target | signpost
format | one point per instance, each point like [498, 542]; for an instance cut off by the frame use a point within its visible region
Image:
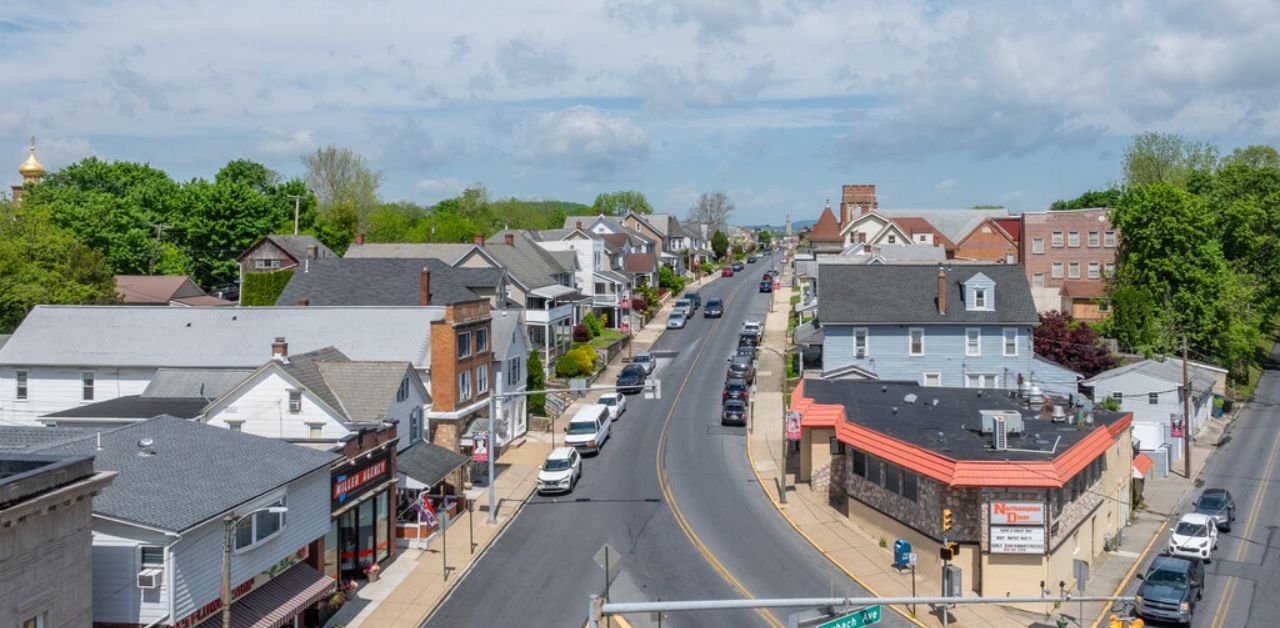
[862, 617]
[793, 426]
[480, 447]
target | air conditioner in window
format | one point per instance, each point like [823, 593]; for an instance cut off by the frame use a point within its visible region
[150, 578]
[860, 353]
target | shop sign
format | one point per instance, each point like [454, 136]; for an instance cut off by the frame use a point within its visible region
[243, 589]
[1017, 540]
[350, 484]
[1017, 513]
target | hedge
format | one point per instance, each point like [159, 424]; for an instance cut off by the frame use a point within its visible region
[262, 289]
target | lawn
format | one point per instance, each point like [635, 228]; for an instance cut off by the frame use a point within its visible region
[607, 337]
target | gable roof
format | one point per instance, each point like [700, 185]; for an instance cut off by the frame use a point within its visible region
[1169, 370]
[953, 223]
[366, 390]
[914, 224]
[989, 222]
[223, 468]
[190, 382]
[908, 294]
[449, 252]
[1011, 225]
[641, 262]
[529, 264]
[507, 330]
[614, 225]
[216, 337]
[385, 281]
[136, 407]
[140, 289]
[827, 229]
[294, 245]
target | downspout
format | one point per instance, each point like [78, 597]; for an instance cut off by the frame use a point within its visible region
[168, 580]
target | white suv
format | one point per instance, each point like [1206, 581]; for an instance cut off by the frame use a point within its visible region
[1195, 536]
[752, 327]
[561, 472]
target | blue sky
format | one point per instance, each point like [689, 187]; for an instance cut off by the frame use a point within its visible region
[776, 102]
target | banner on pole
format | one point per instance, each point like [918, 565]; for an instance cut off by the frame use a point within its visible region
[480, 447]
[793, 425]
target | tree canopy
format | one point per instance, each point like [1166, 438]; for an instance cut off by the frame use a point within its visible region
[1072, 344]
[712, 208]
[620, 202]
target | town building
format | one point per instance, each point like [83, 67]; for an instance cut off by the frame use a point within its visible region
[281, 252]
[1067, 256]
[31, 171]
[177, 290]
[46, 534]
[1023, 493]
[596, 276]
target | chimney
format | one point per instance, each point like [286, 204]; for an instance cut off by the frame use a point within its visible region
[304, 302]
[424, 287]
[312, 251]
[359, 239]
[578, 225]
[478, 239]
[510, 239]
[280, 349]
[844, 214]
[942, 292]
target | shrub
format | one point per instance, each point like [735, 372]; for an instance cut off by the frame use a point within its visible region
[640, 304]
[261, 289]
[534, 380]
[577, 362]
[592, 323]
[581, 333]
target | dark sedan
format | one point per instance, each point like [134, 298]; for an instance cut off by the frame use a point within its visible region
[766, 286]
[713, 309]
[734, 388]
[631, 379]
[734, 412]
[1218, 504]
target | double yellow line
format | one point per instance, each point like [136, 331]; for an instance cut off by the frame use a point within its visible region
[665, 485]
[1229, 590]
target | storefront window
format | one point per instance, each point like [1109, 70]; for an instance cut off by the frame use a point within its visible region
[383, 526]
[347, 532]
[366, 532]
[331, 550]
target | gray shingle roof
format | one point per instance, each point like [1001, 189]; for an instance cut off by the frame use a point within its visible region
[198, 472]
[506, 324]
[1169, 370]
[294, 245]
[305, 368]
[448, 252]
[427, 462]
[205, 383]
[215, 337]
[953, 223]
[384, 281]
[136, 407]
[909, 293]
[365, 390]
[527, 262]
[22, 439]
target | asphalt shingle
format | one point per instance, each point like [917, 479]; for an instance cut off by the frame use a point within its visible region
[909, 294]
[384, 281]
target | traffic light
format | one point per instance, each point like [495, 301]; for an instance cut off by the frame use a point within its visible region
[946, 520]
[955, 549]
[945, 552]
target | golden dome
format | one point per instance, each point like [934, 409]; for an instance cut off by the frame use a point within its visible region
[31, 167]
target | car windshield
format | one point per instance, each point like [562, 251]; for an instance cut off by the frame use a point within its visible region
[556, 464]
[735, 384]
[640, 359]
[1186, 528]
[582, 427]
[713, 303]
[733, 407]
[1167, 578]
[607, 401]
[1212, 502]
[631, 372]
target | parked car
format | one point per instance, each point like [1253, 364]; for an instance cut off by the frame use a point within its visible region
[741, 367]
[561, 471]
[746, 351]
[727, 271]
[683, 306]
[1194, 536]
[616, 402]
[695, 298]
[766, 286]
[1170, 589]
[751, 259]
[754, 327]
[644, 360]
[738, 266]
[734, 388]
[748, 339]
[767, 277]
[734, 412]
[714, 309]
[1218, 505]
[631, 379]
[677, 320]
[588, 429]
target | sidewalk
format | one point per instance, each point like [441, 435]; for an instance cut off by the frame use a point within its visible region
[414, 583]
[859, 554]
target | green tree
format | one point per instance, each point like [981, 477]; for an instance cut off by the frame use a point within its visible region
[1255, 156]
[394, 222]
[620, 202]
[341, 177]
[720, 244]
[765, 237]
[593, 324]
[41, 262]
[1167, 158]
[1100, 198]
[535, 379]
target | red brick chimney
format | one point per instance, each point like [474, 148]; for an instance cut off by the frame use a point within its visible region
[279, 349]
[844, 214]
[579, 225]
[424, 287]
[942, 292]
[359, 239]
[478, 239]
[510, 239]
[863, 196]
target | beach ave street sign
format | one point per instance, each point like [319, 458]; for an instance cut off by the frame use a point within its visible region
[862, 617]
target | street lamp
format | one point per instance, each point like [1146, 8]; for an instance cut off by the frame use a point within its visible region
[231, 522]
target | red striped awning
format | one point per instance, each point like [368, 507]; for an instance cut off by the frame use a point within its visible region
[279, 600]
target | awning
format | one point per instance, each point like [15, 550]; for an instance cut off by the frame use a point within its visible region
[428, 463]
[809, 334]
[552, 291]
[1141, 466]
[279, 600]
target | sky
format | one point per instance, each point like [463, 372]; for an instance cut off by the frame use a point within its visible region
[776, 102]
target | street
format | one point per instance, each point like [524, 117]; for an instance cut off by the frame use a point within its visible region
[701, 530]
[1241, 581]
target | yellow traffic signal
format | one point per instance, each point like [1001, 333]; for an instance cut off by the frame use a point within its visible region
[946, 520]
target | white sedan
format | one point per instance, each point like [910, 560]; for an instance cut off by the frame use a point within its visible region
[1195, 536]
[616, 402]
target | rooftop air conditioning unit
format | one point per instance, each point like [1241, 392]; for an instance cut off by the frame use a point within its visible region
[150, 578]
[999, 437]
[1012, 421]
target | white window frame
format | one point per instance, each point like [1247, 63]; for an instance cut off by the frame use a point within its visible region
[482, 379]
[1095, 270]
[278, 499]
[911, 341]
[980, 299]
[927, 375]
[1073, 239]
[1057, 239]
[295, 401]
[1073, 270]
[863, 334]
[464, 338]
[21, 384]
[87, 385]
[464, 385]
[143, 564]
[973, 341]
[1037, 246]
[1109, 239]
[981, 379]
[1094, 239]
[482, 340]
[1037, 280]
[1057, 270]
[1008, 341]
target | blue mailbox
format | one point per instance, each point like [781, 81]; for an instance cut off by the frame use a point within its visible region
[901, 553]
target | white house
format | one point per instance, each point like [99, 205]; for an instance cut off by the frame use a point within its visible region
[510, 356]
[159, 529]
[66, 356]
[322, 397]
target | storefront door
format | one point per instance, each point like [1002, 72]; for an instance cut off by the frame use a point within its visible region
[347, 540]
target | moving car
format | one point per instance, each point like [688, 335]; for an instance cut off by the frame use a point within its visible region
[1170, 589]
[631, 379]
[1194, 536]
[616, 402]
[684, 306]
[589, 428]
[677, 320]
[734, 388]
[714, 309]
[695, 298]
[1218, 505]
[734, 412]
[561, 471]
[741, 367]
[751, 259]
[738, 266]
[644, 360]
[766, 286]
[727, 271]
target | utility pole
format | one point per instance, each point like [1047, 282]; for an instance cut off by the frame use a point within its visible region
[151, 266]
[297, 202]
[1186, 414]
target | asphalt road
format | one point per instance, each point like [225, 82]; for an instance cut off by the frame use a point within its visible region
[1242, 582]
[719, 539]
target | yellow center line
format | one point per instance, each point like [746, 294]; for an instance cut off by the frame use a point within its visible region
[665, 485]
[1229, 590]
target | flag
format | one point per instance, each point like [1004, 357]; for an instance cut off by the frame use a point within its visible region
[426, 514]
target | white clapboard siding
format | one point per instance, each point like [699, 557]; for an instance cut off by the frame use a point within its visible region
[57, 388]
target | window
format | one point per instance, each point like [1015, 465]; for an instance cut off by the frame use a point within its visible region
[1057, 270]
[1109, 269]
[979, 298]
[1037, 246]
[482, 378]
[910, 485]
[892, 478]
[973, 341]
[980, 380]
[1057, 238]
[893, 239]
[464, 385]
[916, 341]
[295, 401]
[266, 264]
[513, 372]
[464, 344]
[1010, 341]
[1109, 238]
[36, 621]
[1118, 396]
[1095, 270]
[260, 526]
[1037, 280]
[1093, 238]
[860, 342]
[1073, 270]
[150, 557]
[415, 425]
[1104, 306]
[1073, 239]
[933, 379]
[482, 340]
[859, 464]
[20, 379]
[86, 389]
[403, 392]
[1153, 398]
[315, 431]
[873, 470]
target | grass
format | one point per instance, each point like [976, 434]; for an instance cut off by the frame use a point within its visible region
[795, 299]
[607, 337]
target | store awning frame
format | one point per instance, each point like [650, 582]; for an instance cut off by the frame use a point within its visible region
[279, 600]
[429, 463]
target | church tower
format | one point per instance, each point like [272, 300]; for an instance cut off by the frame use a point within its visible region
[788, 226]
[31, 172]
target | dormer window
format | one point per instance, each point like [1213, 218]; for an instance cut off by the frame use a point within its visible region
[979, 298]
[979, 293]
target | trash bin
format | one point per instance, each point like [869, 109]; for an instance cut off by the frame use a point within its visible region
[1227, 405]
[901, 553]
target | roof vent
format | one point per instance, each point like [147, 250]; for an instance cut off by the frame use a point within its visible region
[935, 402]
[1035, 395]
[999, 436]
[894, 409]
[884, 388]
[1059, 414]
[910, 398]
[146, 447]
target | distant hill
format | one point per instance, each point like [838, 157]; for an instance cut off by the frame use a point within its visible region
[796, 225]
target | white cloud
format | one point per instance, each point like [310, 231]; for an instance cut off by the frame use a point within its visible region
[282, 142]
[946, 184]
[440, 186]
[594, 144]
[56, 152]
[525, 62]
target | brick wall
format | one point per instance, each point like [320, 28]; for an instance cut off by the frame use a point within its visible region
[987, 243]
[1042, 226]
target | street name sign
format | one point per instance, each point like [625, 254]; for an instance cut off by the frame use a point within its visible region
[862, 617]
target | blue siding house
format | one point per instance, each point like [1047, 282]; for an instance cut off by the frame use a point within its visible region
[963, 326]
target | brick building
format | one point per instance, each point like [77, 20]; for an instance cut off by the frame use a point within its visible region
[1072, 249]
